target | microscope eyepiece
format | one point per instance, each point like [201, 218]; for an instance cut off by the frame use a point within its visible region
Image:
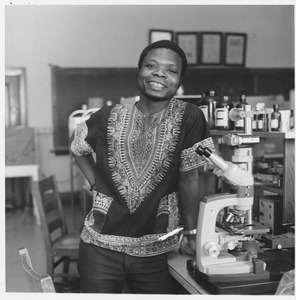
[207, 152]
[200, 150]
[203, 151]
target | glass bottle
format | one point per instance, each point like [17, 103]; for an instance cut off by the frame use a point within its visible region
[262, 122]
[240, 124]
[222, 120]
[263, 165]
[291, 119]
[208, 105]
[254, 122]
[275, 118]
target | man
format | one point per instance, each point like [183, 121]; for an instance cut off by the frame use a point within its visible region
[144, 180]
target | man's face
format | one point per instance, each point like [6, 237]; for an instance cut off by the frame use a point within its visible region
[160, 74]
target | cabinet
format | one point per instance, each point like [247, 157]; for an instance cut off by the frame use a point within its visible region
[288, 189]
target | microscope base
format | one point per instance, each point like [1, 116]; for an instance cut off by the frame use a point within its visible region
[238, 284]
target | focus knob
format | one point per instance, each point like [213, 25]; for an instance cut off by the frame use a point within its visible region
[211, 249]
[231, 245]
[235, 115]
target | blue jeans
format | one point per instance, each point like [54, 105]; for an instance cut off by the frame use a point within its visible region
[106, 271]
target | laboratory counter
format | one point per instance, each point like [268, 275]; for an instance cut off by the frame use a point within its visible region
[278, 262]
[178, 270]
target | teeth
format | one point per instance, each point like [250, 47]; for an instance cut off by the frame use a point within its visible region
[156, 84]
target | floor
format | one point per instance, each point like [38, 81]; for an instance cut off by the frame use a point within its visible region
[21, 231]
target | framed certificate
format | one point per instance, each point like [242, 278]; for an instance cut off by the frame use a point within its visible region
[211, 48]
[235, 49]
[189, 42]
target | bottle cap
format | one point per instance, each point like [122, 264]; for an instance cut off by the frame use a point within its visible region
[275, 106]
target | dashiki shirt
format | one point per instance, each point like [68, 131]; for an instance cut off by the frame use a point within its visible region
[138, 159]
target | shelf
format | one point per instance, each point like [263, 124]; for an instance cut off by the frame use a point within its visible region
[281, 135]
[288, 154]
[271, 187]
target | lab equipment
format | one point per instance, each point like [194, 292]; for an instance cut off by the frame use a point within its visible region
[226, 250]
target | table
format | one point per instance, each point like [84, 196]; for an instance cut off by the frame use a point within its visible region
[178, 270]
[31, 171]
[277, 263]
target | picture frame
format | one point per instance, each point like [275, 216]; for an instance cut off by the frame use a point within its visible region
[159, 34]
[211, 48]
[189, 42]
[235, 45]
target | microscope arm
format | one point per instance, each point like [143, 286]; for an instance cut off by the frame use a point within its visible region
[228, 171]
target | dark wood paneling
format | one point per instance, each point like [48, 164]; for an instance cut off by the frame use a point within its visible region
[73, 87]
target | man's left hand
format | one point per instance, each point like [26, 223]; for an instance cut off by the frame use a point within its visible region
[188, 245]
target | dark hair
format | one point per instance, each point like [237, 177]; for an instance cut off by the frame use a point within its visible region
[165, 44]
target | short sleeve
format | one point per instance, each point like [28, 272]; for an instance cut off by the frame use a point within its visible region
[190, 159]
[197, 134]
[79, 145]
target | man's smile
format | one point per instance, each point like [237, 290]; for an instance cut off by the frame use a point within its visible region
[156, 85]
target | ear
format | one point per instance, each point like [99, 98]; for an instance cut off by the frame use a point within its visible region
[180, 83]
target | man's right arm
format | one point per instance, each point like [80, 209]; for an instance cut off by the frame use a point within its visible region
[85, 163]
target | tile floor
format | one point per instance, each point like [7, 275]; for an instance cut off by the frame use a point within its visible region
[21, 231]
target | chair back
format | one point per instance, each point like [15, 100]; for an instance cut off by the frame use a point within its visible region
[37, 283]
[51, 212]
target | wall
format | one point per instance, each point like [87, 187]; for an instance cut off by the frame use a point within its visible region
[113, 36]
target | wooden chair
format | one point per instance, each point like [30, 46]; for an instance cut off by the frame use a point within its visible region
[61, 246]
[37, 283]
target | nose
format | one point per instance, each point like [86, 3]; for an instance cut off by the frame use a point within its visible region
[160, 72]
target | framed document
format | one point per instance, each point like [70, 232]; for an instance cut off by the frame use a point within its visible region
[211, 48]
[157, 35]
[235, 49]
[188, 41]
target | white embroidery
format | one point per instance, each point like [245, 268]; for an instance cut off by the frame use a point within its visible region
[190, 159]
[79, 146]
[133, 180]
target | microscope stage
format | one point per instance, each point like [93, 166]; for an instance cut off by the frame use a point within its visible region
[241, 229]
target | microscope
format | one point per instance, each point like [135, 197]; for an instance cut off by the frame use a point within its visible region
[226, 250]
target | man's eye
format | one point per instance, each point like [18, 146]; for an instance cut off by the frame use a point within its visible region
[150, 66]
[174, 71]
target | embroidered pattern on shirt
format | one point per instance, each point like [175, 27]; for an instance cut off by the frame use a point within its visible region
[89, 219]
[139, 163]
[190, 159]
[147, 245]
[142, 246]
[79, 146]
[101, 202]
[169, 205]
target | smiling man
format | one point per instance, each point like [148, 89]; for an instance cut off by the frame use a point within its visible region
[144, 179]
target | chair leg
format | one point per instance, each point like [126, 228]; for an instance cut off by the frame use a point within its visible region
[50, 265]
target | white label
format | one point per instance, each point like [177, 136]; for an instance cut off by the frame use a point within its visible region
[204, 109]
[274, 123]
[240, 123]
[221, 117]
[260, 124]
